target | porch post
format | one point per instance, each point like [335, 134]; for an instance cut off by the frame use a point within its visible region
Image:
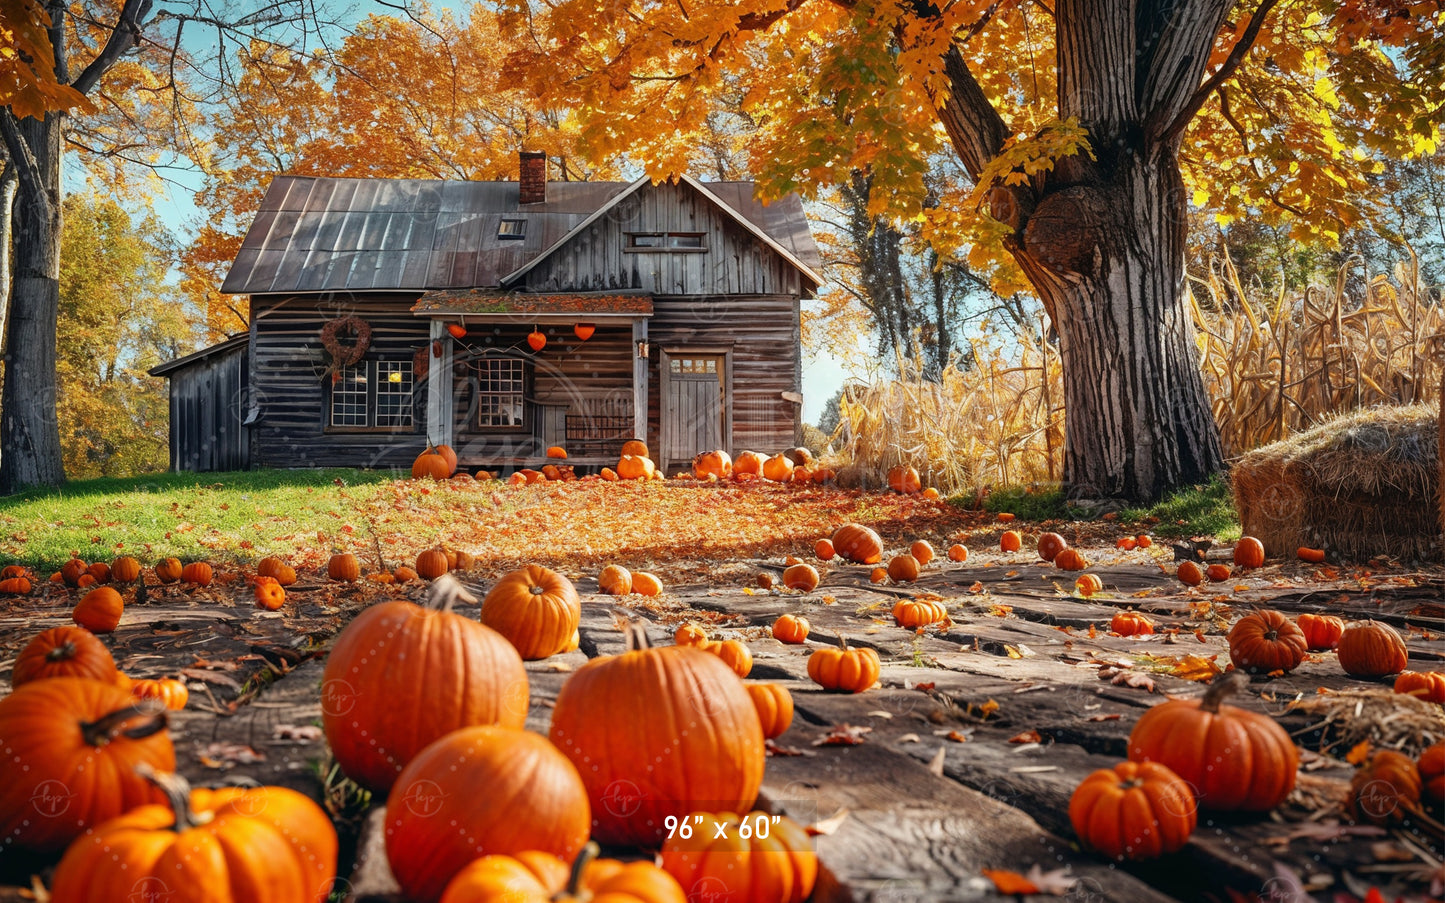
[639, 381]
[439, 389]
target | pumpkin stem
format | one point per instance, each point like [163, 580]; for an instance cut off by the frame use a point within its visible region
[64, 651]
[107, 727]
[444, 592]
[579, 865]
[1222, 688]
[635, 635]
[177, 791]
[842, 640]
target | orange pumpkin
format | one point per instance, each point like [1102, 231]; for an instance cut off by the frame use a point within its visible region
[858, 544]
[1219, 572]
[903, 568]
[1135, 810]
[535, 608]
[682, 711]
[437, 820]
[801, 577]
[1235, 759]
[430, 465]
[778, 469]
[775, 707]
[635, 467]
[13, 570]
[403, 574]
[1143, 541]
[1265, 642]
[1131, 623]
[557, 452]
[79, 741]
[63, 652]
[734, 653]
[344, 567]
[1322, 632]
[615, 580]
[15, 586]
[198, 573]
[1088, 584]
[690, 635]
[849, 670]
[273, 838]
[636, 447]
[401, 675]
[269, 593]
[171, 693]
[913, 613]
[773, 861]
[716, 464]
[1127, 543]
[1050, 545]
[878, 575]
[1070, 560]
[1432, 773]
[1011, 541]
[958, 552]
[1189, 573]
[1312, 556]
[72, 570]
[431, 563]
[823, 548]
[1426, 685]
[86, 581]
[1249, 553]
[1386, 788]
[168, 570]
[99, 572]
[99, 610]
[608, 474]
[764, 580]
[748, 462]
[922, 550]
[905, 479]
[536, 877]
[277, 570]
[792, 629]
[645, 584]
[1371, 649]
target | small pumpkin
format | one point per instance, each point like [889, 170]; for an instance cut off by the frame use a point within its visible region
[1218, 573]
[557, 452]
[913, 613]
[1311, 556]
[636, 447]
[765, 580]
[449, 455]
[690, 635]
[168, 570]
[903, 568]
[535, 877]
[1266, 641]
[904, 479]
[99, 572]
[343, 566]
[773, 862]
[775, 707]
[608, 474]
[748, 462]
[15, 586]
[72, 570]
[858, 544]
[1088, 584]
[171, 693]
[1385, 789]
[277, 570]
[878, 575]
[1011, 541]
[430, 466]
[1432, 773]
[80, 741]
[1235, 759]
[645, 584]
[778, 469]
[1070, 559]
[843, 668]
[1190, 573]
[1248, 553]
[1126, 543]
[801, 577]
[635, 467]
[1050, 545]
[404, 574]
[13, 570]
[958, 552]
[431, 563]
[437, 821]
[535, 608]
[734, 653]
[1426, 685]
[99, 610]
[198, 573]
[1143, 541]
[1131, 623]
[615, 580]
[269, 593]
[1371, 649]
[792, 629]
[1322, 632]
[63, 652]
[1133, 811]
[922, 550]
[86, 581]
[716, 464]
[823, 548]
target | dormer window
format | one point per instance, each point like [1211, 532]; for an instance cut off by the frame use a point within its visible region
[666, 241]
[512, 228]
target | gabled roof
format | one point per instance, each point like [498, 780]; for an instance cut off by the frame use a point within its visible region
[346, 235]
[490, 303]
[236, 341]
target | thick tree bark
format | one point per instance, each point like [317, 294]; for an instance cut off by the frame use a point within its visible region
[29, 431]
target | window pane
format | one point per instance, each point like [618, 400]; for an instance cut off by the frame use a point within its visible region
[512, 228]
[501, 384]
[348, 397]
[684, 240]
[647, 239]
[393, 393]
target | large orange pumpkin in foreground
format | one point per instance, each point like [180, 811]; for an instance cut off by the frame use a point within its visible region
[1371, 649]
[401, 675]
[481, 791]
[1234, 759]
[71, 746]
[774, 862]
[535, 877]
[656, 732]
[1266, 641]
[858, 543]
[536, 608]
[63, 652]
[1133, 811]
[252, 843]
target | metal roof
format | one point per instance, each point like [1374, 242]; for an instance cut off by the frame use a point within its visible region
[234, 341]
[328, 235]
[491, 303]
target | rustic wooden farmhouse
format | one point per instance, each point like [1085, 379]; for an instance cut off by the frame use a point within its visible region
[501, 318]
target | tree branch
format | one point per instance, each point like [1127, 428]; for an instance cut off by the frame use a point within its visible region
[124, 35]
[975, 129]
[22, 159]
[1181, 119]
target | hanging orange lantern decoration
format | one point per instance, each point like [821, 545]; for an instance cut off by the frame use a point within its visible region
[537, 340]
[457, 330]
[584, 330]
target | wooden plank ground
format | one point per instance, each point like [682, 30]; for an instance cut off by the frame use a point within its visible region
[1017, 660]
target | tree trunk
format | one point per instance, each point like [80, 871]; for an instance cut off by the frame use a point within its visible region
[1108, 259]
[29, 432]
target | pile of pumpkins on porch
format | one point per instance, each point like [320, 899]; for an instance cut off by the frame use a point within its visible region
[658, 749]
[796, 465]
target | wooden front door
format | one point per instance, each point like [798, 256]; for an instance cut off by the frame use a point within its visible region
[692, 405]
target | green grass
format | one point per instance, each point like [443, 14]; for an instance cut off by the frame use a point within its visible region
[1206, 510]
[239, 515]
[1031, 503]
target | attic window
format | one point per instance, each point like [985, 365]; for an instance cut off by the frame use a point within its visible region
[512, 228]
[666, 241]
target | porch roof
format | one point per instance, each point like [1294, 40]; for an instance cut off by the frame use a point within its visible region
[486, 304]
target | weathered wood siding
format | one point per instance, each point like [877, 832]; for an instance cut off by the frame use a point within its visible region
[762, 334]
[734, 262]
[207, 406]
[291, 391]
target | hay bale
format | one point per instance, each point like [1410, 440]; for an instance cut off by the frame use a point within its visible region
[1363, 484]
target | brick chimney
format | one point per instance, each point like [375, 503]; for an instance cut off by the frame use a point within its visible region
[534, 177]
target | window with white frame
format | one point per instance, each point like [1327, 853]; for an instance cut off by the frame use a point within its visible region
[501, 392]
[373, 395]
[666, 241]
